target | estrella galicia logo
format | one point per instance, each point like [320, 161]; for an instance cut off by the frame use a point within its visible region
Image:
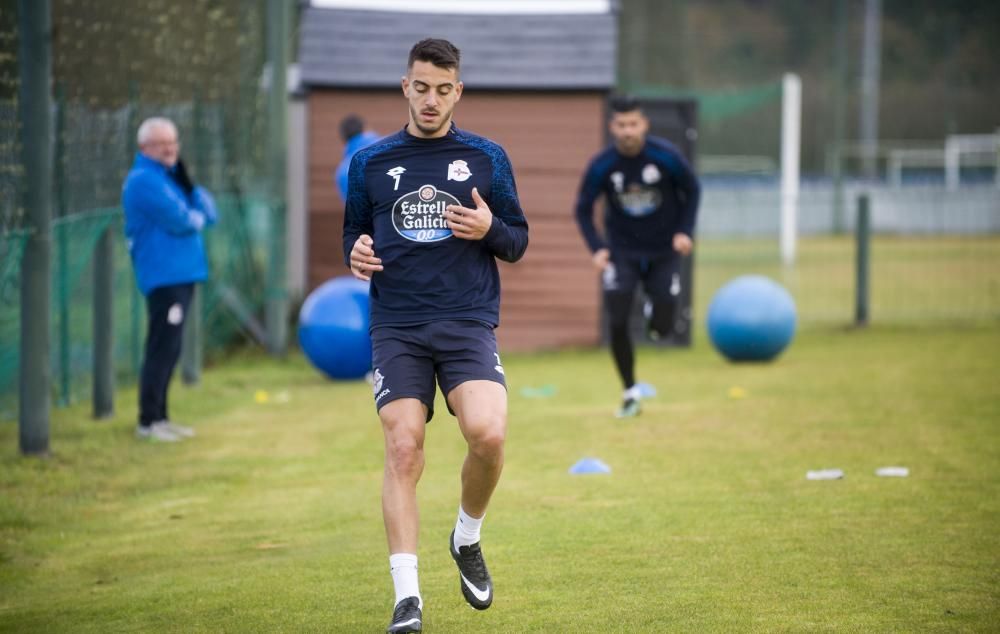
[419, 215]
[638, 201]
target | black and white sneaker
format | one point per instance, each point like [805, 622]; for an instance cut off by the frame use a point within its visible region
[406, 617]
[477, 587]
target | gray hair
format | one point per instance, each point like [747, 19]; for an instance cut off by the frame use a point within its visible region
[147, 126]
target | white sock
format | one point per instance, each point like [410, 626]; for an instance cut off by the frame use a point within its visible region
[403, 568]
[466, 529]
[633, 393]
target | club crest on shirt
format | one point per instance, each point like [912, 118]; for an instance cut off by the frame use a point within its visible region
[650, 174]
[458, 171]
[419, 215]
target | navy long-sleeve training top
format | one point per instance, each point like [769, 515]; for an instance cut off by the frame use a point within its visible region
[398, 189]
[651, 196]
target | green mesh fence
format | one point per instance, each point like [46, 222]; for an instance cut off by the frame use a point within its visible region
[11, 248]
[116, 63]
[718, 106]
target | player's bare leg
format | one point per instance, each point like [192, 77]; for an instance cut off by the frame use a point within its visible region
[403, 425]
[481, 408]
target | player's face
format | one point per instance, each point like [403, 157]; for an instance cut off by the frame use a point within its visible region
[432, 92]
[162, 145]
[628, 129]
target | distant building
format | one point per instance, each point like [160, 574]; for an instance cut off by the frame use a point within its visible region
[536, 77]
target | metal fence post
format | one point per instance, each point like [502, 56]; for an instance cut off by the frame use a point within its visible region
[862, 261]
[104, 340]
[276, 297]
[136, 307]
[34, 111]
[62, 249]
[192, 343]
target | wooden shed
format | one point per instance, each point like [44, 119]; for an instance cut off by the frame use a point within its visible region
[535, 82]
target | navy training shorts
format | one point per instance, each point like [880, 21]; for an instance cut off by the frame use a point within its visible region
[660, 276]
[406, 360]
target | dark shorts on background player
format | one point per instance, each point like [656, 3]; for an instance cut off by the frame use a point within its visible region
[407, 359]
[657, 275]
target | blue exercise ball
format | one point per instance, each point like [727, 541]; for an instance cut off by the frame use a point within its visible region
[751, 318]
[333, 328]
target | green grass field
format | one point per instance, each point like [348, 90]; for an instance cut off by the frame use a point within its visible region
[269, 520]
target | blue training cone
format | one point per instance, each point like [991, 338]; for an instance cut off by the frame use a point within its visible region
[589, 465]
[645, 390]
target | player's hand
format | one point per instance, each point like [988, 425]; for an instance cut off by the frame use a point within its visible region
[469, 224]
[363, 260]
[683, 243]
[601, 258]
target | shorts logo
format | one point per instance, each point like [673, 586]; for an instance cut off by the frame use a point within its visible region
[498, 367]
[175, 315]
[377, 379]
[609, 278]
[419, 215]
[458, 171]
[381, 394]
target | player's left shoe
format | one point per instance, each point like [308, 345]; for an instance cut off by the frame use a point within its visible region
[477, 586]
[630, 408]
[630, 403]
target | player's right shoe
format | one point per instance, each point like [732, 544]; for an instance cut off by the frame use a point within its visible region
[477, 586]
[406, 617]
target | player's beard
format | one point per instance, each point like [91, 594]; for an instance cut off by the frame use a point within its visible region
[630, 146]
[445, 120]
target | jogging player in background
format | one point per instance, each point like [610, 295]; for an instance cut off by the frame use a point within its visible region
[652, 202]
[429, 210]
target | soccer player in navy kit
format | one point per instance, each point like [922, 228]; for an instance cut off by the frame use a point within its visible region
[652, 202]
[429, 209]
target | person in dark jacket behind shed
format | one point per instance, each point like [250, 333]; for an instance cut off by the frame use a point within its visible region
[355, 137]
[165, 214]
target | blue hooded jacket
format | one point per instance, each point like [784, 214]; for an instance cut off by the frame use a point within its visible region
[355, 143]
[163, 226]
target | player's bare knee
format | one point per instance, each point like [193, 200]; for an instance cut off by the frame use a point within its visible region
[403, 456]
[487, 440]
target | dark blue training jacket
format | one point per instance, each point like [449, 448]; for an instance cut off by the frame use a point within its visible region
[398, 190]
[651, 196]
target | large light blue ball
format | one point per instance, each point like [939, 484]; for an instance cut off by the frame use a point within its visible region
[751, 318]
[333, 328]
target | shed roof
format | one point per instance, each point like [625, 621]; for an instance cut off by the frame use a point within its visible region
[368, 49]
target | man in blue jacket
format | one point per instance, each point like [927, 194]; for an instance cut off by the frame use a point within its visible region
[165, 213]
[355, 137]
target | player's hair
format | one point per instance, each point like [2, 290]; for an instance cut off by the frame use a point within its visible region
[624, 103]
[351, 126]
[147, 126]
[441, 53]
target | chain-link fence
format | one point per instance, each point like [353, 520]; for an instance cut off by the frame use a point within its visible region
[115, 63]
